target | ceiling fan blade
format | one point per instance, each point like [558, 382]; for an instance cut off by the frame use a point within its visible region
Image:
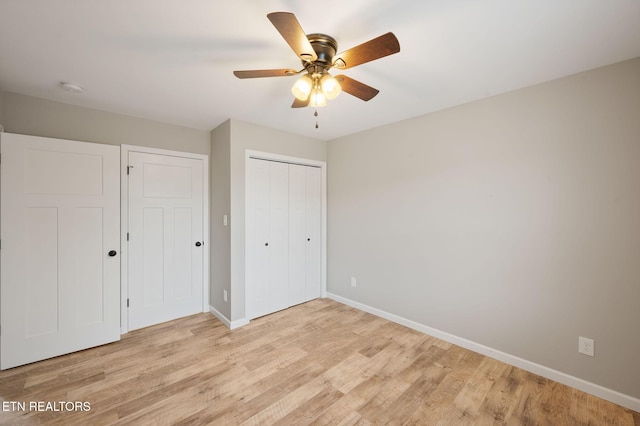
[379, 47]
[264, 73]
[297, 103]
[290, 29]
[355, 88]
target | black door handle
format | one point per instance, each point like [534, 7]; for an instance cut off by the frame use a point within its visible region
[113, 253]
[198, 244]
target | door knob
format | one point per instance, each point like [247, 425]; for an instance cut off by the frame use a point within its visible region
[113, 253]
[198, 244]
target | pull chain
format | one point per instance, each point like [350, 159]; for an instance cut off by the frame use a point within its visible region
[315, 114]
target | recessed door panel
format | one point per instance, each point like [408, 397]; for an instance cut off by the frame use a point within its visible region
[41, 270]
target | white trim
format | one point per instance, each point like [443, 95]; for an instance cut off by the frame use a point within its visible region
[124, 224]
[549, 373]
[323, 232]
[230, 324]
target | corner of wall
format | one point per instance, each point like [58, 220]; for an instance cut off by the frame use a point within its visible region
[220, 284]
[1, 111]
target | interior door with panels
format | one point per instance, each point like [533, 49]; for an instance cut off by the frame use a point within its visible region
[166, 237]
[60, 263]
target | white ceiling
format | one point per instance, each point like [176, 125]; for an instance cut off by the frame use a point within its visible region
[172, 60]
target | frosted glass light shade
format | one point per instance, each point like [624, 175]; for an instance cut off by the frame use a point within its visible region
[302, 88]
[330, 86]
[318, 98]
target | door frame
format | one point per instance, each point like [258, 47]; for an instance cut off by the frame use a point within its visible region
[261, 155]
[124, 224]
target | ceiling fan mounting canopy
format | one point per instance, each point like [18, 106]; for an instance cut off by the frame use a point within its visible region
[318, 53]
[325, 47]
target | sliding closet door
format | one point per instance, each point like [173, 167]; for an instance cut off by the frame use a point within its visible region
[305, 202]
[267, 237]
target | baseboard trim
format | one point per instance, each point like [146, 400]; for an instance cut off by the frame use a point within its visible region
[560, 377]
[226, 321]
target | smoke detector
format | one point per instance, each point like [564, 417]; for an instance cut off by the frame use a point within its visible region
[70, 87]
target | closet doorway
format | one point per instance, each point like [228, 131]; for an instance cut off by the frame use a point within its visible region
[285, 241]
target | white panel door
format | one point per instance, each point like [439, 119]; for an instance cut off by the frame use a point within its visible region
[297, 234]
[166, 216]
[305, 201]
[313, 226]
[267, 283]
[60, 264]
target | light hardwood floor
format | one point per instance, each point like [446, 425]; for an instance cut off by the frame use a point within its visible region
[317, 363]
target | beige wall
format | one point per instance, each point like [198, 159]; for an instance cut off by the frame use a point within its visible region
[220, 206]
[245, 136]
[39, 117]
[513, 222]
[1, 109]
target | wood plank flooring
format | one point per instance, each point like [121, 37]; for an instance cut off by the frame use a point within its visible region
[317, 363]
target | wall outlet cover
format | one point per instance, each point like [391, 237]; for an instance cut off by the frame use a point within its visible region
[586, 346]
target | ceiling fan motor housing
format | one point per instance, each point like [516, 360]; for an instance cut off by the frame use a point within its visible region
[325, 47]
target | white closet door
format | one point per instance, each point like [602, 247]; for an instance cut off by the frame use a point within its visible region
[297, 234]
[278, 238]
[60, 271]
[267, 282]
[257, 235]
[283, 235]
[305, 200]
[313, 225]
[166, 235]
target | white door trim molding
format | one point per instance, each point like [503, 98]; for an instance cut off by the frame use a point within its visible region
[124, 214]
[323, 232]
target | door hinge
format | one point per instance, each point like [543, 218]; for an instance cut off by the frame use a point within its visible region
[127, 302]
[129, 167]
[127, 236]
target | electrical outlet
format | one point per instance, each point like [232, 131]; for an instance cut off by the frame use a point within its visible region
[586, 346]
[224, 295]
[353, 282]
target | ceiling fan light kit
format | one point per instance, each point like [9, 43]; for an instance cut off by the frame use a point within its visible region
[317, 88]
[302, 87]
[318, 55]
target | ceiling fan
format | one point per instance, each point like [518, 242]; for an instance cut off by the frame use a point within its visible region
[318, 55]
